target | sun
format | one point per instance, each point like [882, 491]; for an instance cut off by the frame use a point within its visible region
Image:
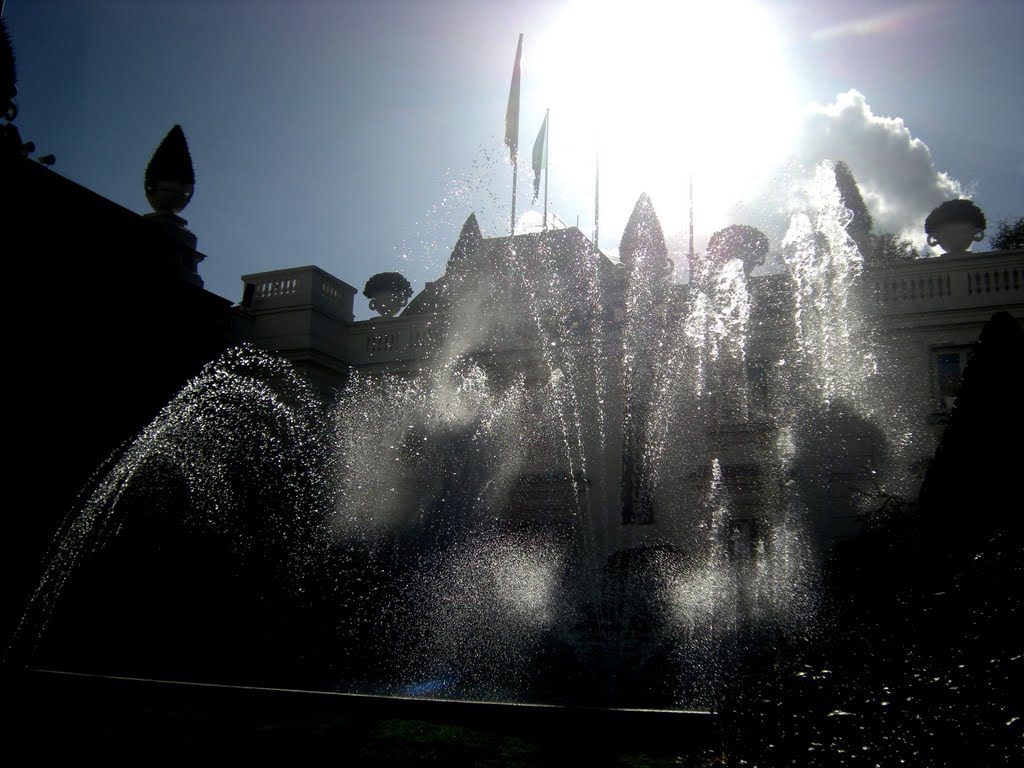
[663, 90]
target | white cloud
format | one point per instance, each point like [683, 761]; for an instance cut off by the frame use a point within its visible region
[895, 171]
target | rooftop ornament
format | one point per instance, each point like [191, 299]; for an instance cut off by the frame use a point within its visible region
[388, 292]
[954, 226]
[170, 180]
[465, 256]
[643, 242]
[10, 138]
[739, 241]
[169, 184]
[8, 76]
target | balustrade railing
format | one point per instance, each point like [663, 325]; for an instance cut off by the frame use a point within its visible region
[334, 291]
[296, 288]
[282, 286]
[950, 283]
[391, 340]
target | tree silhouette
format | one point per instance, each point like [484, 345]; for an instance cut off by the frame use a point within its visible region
[914, 659]
[975, 445]
[889, 248]
[1009, 235]
[861, 224]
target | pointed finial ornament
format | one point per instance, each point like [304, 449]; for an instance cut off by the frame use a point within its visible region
[467, 248]
[169, 184]
[643, 241]
[8, 75]
[170, 180]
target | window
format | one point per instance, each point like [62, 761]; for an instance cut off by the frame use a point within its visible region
[949, 365]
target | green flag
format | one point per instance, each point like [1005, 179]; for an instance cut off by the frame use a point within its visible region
[540, 156]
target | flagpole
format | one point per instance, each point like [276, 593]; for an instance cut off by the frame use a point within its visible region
[547, 143]
[690, 254]
[597, 196]
[512, 228]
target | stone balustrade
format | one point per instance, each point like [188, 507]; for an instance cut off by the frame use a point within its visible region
[282, 305]
[390, 340]
[279, 290]
[303, 287]
[947, 283]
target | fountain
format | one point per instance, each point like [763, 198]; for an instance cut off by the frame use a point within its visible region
[603, 488]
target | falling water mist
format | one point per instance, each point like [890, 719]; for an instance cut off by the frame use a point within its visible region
[578, 498]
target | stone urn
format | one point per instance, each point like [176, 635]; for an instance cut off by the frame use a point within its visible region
[169, 196]
[738, 241]
[388, 292]
[955, 226]
[386, 303]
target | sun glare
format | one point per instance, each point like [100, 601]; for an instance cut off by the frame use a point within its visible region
[665, 89]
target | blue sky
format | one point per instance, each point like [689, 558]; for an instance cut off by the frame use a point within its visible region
[359, 135]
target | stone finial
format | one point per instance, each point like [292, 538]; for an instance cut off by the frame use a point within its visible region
[170, 180]
[955, 226]
[388, 292]
[643, 241]
[8, 75]
[465, 256]
[10, 138]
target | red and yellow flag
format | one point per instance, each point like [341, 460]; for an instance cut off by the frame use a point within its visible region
[512, 114]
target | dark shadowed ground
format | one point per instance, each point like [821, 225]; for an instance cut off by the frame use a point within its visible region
[85, 720]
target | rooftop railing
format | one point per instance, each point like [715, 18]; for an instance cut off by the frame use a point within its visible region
[972, 281]
[920, 287]
[309, 287]
[394, 339]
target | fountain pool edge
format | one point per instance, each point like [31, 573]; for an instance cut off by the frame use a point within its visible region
[75, 714]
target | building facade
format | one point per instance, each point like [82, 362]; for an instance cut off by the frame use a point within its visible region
[674, 400]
